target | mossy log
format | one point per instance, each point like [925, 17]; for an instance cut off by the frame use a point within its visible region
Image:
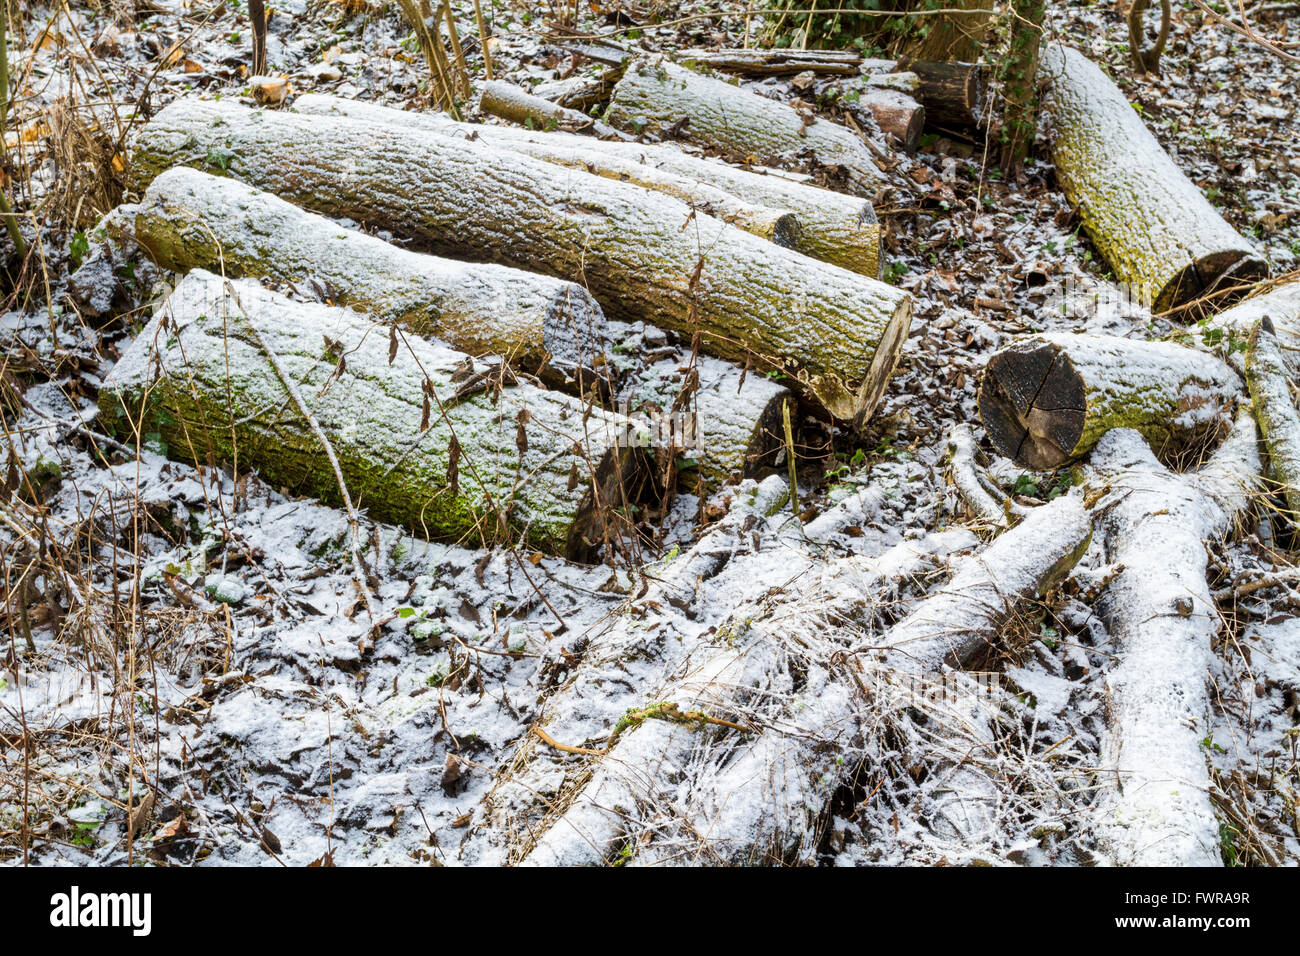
[659, 97]
[644, 256]
[1151, 223]
[1046, 400]
[833, 227]
[1156, 529]
[1228, 333]
[189, 219]
[425, 436]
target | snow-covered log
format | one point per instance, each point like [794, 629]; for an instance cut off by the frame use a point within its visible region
[1047, 399]
[1153, 225]
[188, 219]
[738, 419]
[642, 254]
[763, 62]
[833, 227]
[510, 102]
[658, 96]
[1162, 623]
[1269, 379]
[424, 436]
[961, 618]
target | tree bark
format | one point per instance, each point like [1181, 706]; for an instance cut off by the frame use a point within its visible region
[1155, 228]
[1162, 621]
[643, 255]
[662, 98]
[188, 219]
[1046, 400]
[425, 436]
[833, 227]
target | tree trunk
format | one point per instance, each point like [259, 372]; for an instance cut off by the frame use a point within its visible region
[1046, 400]
[1155, 228]
[659, 97]
[1017, 80]
[954, 35]
[1162, 622]
[189, 219]
[833, 227]
[738, 415]
[425, 436]
[643, 255]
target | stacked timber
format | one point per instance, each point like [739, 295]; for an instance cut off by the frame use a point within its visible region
[644, 255]
[831, 226]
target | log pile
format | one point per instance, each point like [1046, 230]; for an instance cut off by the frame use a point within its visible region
[422, 395]
[644, 255]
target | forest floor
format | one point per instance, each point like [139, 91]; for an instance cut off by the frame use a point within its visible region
[205, 700]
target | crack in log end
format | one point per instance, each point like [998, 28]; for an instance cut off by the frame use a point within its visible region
[1226, 276]
[1031, 402]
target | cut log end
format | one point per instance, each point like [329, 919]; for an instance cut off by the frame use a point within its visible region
[1032, 403]
[1219, 274]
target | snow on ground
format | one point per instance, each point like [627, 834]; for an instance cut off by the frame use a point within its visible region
[208, 647]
